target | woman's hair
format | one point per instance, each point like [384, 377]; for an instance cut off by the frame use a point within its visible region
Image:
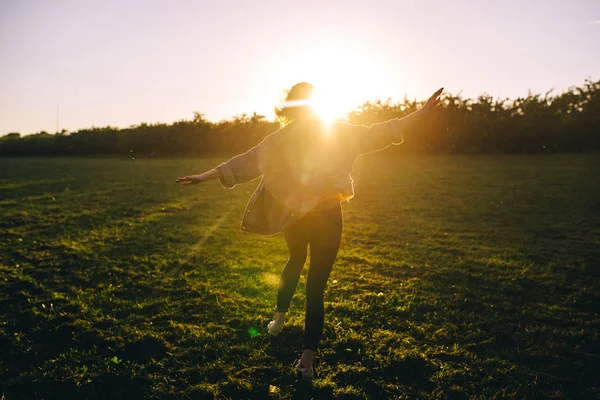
[296, 104]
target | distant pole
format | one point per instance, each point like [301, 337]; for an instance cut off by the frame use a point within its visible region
[57, 116]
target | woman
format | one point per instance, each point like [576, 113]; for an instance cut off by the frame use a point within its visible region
[306, 169]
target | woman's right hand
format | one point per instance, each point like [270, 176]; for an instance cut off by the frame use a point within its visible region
[433, 101]
[413, 120]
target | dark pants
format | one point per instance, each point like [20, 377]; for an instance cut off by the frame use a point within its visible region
[322, 229]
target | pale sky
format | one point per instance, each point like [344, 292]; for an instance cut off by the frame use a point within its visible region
[121, 63]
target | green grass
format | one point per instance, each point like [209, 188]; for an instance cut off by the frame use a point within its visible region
[458, 277]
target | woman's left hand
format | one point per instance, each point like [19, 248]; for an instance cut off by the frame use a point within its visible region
[190, 179]
[194, 179]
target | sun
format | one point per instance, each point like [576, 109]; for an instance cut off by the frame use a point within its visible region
[344, 83]
[327, 102]
[344, 75]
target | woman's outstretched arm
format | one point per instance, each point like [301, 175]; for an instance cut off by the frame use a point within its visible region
[241, 168]
[379, 136]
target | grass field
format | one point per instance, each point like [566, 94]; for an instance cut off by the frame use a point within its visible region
[458, 277]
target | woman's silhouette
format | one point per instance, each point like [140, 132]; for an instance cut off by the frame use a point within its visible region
[306, 168]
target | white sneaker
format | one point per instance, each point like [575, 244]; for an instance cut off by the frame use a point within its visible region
[274, 328]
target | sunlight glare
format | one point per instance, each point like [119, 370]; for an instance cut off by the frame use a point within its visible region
[345, 76]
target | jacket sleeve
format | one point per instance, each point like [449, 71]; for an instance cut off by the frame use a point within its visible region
[366, 139]
[249, 165]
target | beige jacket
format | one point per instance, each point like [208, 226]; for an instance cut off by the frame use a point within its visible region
[302, 165]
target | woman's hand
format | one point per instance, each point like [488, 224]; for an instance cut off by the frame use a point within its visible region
[190, 179]
[194, 179]
[416, 120]
[433, 101]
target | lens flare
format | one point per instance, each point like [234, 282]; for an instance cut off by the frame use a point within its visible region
[345, 73]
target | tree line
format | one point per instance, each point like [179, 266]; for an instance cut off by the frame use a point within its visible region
[565, 122]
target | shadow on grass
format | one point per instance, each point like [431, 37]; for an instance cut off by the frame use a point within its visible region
[303, 390]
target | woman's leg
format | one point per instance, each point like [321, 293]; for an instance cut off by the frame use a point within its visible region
[325, 237]
[297, 242]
